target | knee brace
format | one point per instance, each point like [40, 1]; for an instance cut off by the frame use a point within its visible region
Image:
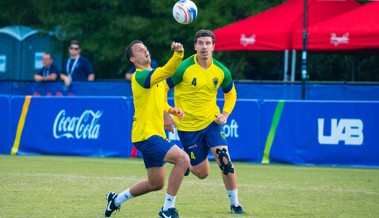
[225, 167]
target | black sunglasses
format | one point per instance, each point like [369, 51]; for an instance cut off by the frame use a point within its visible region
[75, 48]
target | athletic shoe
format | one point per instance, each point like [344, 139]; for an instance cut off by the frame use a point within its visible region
[170, 213]
[187, 172]
[237, 209]
[110, 205]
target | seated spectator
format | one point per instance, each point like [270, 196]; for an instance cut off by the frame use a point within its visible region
[49, 71]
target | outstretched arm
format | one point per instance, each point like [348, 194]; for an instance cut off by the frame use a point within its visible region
[170, 67]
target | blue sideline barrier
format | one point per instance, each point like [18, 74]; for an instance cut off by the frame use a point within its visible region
[5, 122]
[314, 91]
[261, 91]
[296, 132]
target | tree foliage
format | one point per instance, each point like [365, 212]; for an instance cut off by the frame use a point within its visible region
[106, 27]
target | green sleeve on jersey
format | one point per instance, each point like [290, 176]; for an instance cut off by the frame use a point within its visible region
[178, 76]
[227, 75]
[143, 77]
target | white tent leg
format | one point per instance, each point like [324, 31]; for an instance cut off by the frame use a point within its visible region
[285, 70]
[293, 66]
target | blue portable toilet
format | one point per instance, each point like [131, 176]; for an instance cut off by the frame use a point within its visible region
[21, 50]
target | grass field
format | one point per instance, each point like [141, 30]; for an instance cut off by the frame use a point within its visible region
[50, 186]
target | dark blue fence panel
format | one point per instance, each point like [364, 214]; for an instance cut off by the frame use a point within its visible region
[261, 91]
[5, 113]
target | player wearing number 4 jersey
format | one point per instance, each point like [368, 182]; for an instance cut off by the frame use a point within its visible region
[195, 84]
[148, 135]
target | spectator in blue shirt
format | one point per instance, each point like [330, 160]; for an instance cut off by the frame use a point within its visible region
[49, 71]
[76, 67]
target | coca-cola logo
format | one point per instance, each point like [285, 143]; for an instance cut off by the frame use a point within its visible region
[85, 126]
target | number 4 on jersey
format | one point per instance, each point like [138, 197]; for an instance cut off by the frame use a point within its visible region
[194, 82]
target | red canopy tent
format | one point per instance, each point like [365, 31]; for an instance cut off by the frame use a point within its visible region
[352, 30]
[272, 29]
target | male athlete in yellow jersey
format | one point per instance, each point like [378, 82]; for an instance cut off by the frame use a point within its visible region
[148, 135]
[195, 83]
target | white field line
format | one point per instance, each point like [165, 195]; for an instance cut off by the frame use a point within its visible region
[199, 182]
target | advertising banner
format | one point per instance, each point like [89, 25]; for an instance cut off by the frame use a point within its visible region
[296, 132]
[241, 131]
[324, 133]
[86, 126]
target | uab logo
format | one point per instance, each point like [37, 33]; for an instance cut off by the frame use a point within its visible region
[350, 131]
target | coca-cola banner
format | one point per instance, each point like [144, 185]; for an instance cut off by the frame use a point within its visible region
[87, 126]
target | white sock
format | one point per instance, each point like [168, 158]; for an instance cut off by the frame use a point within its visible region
[169, 202]
[233, 196]
[122, 197]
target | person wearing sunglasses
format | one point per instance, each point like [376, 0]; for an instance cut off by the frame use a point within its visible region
[76, 67]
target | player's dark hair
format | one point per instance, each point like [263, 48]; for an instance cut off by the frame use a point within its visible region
[129, 51]
[204, 33]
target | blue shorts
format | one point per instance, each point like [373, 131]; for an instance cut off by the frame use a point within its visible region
[154, 149]
[197, 144]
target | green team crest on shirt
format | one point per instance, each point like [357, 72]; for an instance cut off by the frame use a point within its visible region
[215, 82]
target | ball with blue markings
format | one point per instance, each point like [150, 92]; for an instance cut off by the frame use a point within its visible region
[184, 11]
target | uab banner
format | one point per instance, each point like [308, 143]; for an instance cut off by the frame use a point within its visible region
[321, 132]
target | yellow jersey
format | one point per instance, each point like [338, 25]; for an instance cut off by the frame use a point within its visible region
[150, 99]
[195, 92]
